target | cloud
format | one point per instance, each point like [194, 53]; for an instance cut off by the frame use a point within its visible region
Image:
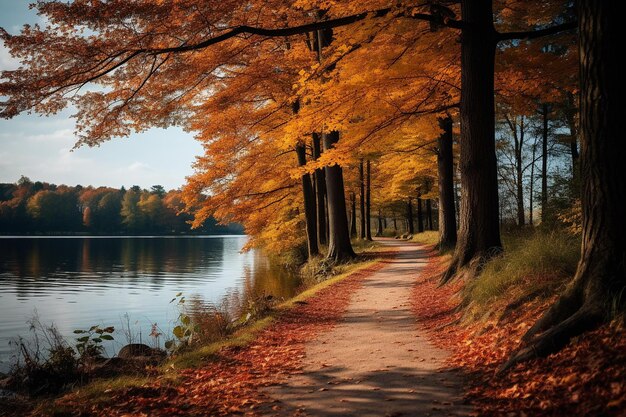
[7, 62]
[63, 136]
[139, 167]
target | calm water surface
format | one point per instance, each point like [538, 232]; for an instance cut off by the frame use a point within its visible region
[77, 282]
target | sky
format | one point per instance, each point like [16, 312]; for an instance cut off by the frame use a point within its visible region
[40, 147]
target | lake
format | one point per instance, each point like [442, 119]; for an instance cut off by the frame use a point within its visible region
[126, 282]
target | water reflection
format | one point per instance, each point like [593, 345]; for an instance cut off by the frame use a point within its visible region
[78, 282]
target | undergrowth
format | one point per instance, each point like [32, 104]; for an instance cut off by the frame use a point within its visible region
[533, 264]
[428, 237]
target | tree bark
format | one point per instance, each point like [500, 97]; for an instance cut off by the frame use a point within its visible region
[409, 217]
[531, 191]
[339, 246]
[309, 204]
[570, 115]
[420, 214]
[445, 170]
[368, 202]
[379, 230]
[362, 233]
[479, 235]
[320, 188]
[353, 215]
[519, 173]
[429, 214]
[596, 292]
[544, 163]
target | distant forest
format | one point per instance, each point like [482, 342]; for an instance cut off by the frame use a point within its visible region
[28, 207]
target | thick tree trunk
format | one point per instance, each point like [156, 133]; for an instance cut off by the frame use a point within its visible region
[596, 292]
[320, 188]
[445, 170]
[368, 202]
[353, 215]
[309, 204]
[479, 235]
[409, 217]
[429, 214]
[544, 163]
[420, 214]
[339, 246]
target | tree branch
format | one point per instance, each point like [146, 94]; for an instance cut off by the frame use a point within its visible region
[532, 34]
[302, 29]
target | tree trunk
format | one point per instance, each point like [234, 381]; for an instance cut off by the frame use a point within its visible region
[309, 204]
[362, 233]
[479, 235]
[519, 173]
[597, 291]
[445, 170]
[379, 230]
[570, 115]
[420, 214]
[368, 202]
[409, 217]
[353, 215]
[395, 224]
[531, 191]
[339, 246]
[320, 187]
[544, 163]
[429, 214]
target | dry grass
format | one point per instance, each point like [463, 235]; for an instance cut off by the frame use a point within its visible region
[534, 264]
[429, 237]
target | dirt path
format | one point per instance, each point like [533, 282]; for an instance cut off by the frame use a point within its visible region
[375, 362]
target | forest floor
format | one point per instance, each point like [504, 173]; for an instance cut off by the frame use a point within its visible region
[586, 378]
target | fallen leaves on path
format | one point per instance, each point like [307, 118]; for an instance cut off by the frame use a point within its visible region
[231, 383]
[586, 378]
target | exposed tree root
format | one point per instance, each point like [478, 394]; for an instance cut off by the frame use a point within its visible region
[514, 305]
[467, 268]
[556, 337]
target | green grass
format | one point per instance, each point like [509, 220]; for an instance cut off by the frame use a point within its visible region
[533, 263]
[363, 246]
[428, 237]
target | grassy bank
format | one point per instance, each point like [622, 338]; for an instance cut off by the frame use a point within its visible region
[534, 264]
[428, 237]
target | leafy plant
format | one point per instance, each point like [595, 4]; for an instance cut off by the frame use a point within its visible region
[89, 344]
[185, 331]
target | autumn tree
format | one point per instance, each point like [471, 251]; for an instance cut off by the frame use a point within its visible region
[134, 63]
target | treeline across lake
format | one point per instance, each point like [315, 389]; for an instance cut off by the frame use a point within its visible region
[28, 207]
